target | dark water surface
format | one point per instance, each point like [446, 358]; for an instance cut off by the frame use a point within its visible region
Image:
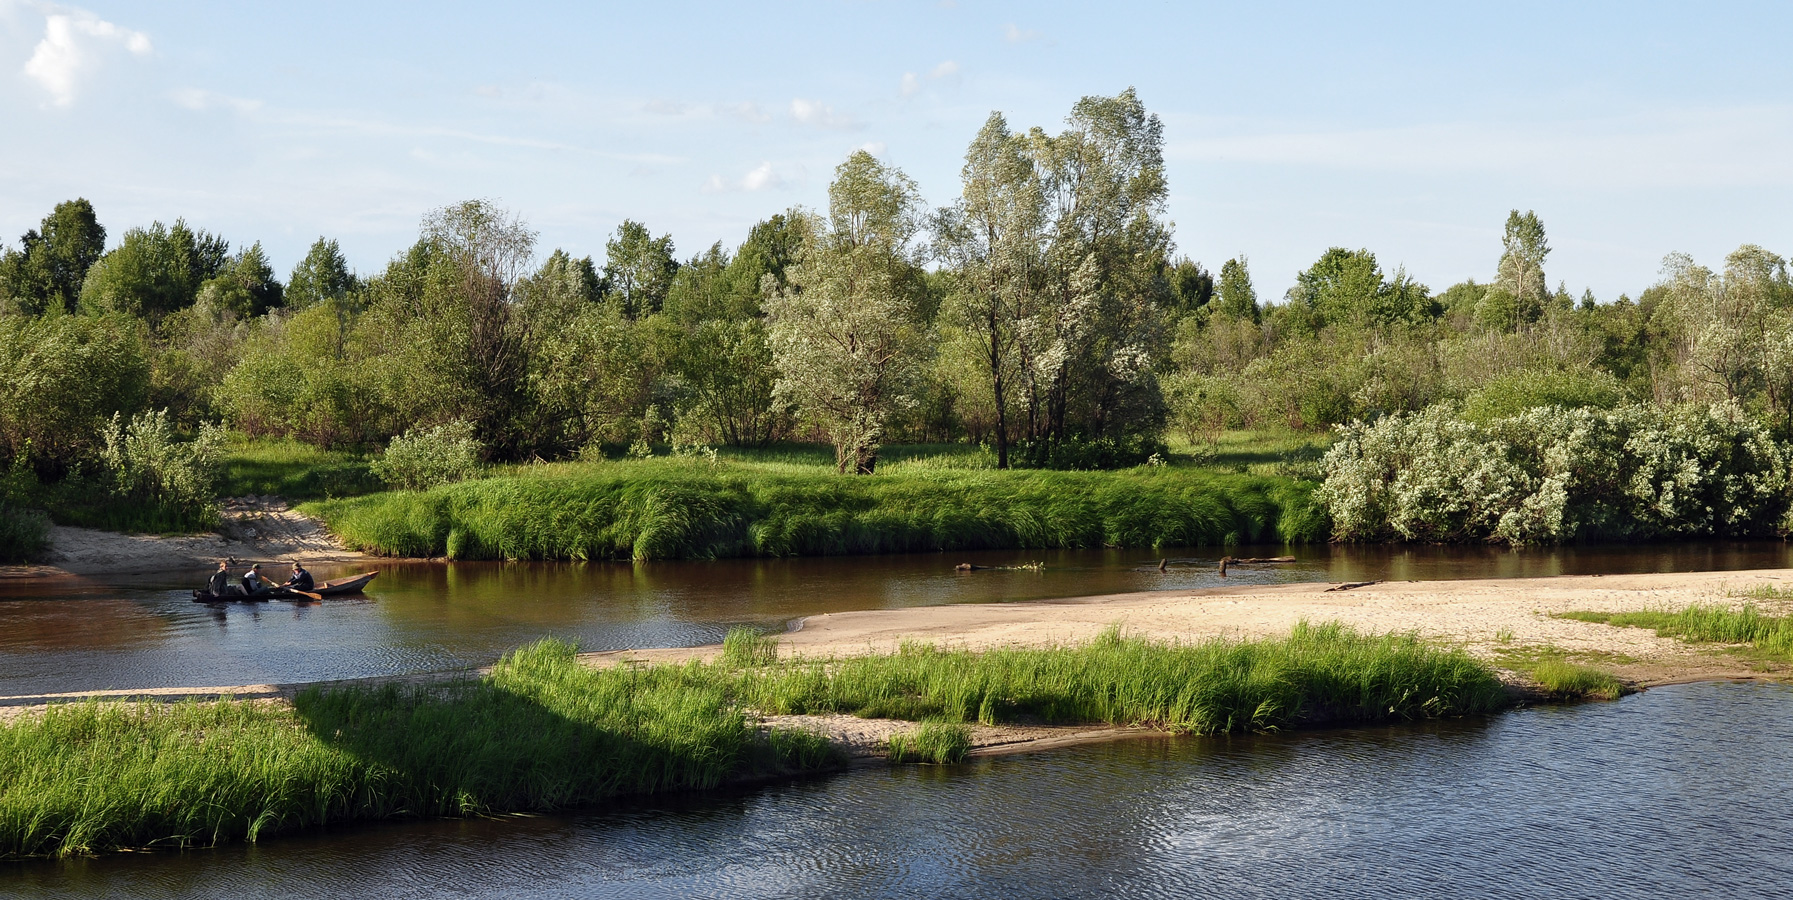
[1683, 791]
[76, 634]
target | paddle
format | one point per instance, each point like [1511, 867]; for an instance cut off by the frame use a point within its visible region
[283, 589]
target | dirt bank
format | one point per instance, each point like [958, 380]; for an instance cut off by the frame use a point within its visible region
[254, 529]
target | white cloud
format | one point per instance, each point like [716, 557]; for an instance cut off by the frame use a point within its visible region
[73, 45]
[946, 69]
[819, 114]
[1015, 34]
[762, 177]
[911, 84]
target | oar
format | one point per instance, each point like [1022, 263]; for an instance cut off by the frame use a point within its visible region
[306, 594]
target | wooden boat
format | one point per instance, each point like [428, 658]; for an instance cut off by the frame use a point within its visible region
[334, 588]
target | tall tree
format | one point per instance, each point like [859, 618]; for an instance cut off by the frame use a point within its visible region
[47, 270]
[1235, 295]
[155, 271]
[246, 286]
[638, 269]
[322, 275]
[1521, 271]
[847, 331]
[993, 239]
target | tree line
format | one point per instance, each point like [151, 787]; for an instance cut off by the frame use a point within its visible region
[1044, 313]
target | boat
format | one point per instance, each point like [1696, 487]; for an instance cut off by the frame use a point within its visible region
[333, 588]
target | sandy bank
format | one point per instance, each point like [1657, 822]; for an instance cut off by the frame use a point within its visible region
[1489, 617]
[255, 529]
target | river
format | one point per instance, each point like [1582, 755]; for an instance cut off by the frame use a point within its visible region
[1682, 791]
[74, 634]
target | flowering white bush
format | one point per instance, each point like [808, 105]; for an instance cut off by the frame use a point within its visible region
[420, 460]
[1551, 474]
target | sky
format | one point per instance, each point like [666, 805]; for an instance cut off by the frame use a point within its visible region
[1633, 129]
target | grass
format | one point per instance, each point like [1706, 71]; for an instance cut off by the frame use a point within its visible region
[1563, 679]
[1317, 674]
[24, 533]
[688, 508]
[1711, 623]
[939, 743]
[294, 470]
[745, 648]
[542, 732]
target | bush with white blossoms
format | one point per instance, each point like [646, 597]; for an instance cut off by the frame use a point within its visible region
[1551, 474]
[420, 460]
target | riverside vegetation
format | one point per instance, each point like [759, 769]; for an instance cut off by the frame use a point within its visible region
[544, 732]
[1043, 318]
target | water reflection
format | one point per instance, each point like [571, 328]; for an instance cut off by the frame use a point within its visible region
[82, 634]
[1682, 791]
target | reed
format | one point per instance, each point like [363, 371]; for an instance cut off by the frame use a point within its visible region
[1565, 680]
[680, 508]
[939, 743]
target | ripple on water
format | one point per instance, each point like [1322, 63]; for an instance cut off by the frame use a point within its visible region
[1678, 792]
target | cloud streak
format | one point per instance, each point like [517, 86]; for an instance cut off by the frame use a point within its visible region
[73, 46]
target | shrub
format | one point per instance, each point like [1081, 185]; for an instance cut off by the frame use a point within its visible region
[61, 378]
[418, 461]
[24, 533]
[1552, 474]
[147, 468]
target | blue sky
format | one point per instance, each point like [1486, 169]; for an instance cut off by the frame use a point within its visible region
[1633, 129]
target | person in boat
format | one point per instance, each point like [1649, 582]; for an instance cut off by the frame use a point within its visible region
[254, 584]
[301, 580]
[219, 585]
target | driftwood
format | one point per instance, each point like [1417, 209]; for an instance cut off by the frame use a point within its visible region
[1351, 584]
[1249, 560]
[1025, 567]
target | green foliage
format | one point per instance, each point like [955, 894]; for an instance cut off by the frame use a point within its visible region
[24, 533]
[61, 379]
[638, 269]
[156, 476]
[1318, 674]
[675, 508]
[1513, 393]
[1553, 474]
[1714, 623]
[1347, 287]
[940, 743]
[1235, 295]
[154, 271]
[420, 460]
[45, 274]
[322, 275]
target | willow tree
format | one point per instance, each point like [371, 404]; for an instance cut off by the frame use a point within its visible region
[846, 330]
[992, 241]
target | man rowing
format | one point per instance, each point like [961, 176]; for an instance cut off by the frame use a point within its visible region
[301, 580]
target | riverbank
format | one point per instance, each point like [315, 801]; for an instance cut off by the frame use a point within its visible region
[690, 509]
[253, 529]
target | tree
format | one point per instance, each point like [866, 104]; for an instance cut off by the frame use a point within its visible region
[993, 239]
[154, 271]
[476, 253]
[1237, 298]
[46, 271]
[1521, 271]
[1191, 286]
[322, 275]
[1088, 354]
[1347, 287]
[638, 269]
[246, 286]
[846, 330]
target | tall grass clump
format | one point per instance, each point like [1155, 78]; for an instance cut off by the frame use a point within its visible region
[745, 648]
[540, 733]
[1566, 680]
[669, 508]
[1319, 673]
[932, 742]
